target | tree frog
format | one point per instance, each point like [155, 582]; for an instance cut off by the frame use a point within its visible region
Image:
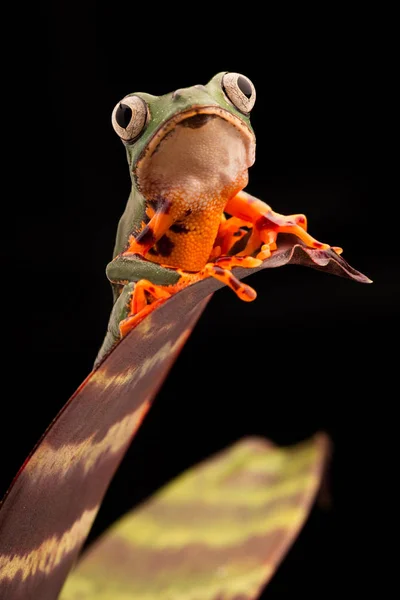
[187, 216]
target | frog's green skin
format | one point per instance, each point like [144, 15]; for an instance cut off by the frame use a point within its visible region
[124, 269]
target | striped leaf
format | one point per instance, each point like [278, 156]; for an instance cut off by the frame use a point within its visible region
[218, 531]
[49, 509]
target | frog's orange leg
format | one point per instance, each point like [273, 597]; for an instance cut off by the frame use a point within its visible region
[152, 232]
[139, 298]
[267, 224]
[243, 291]
[220, 270]
[139, 306]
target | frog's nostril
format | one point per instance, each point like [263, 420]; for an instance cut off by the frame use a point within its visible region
[201, 87]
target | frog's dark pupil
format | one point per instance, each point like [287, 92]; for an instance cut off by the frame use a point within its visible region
[123, 115]
[244, 86]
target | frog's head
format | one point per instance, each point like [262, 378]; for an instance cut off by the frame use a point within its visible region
[196, 134]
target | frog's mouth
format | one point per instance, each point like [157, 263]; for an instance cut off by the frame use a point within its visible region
[201, 152]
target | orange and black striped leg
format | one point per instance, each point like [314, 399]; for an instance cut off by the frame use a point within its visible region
[220, 269]
[151, 233]
[243, 291]
[267, 224]
[225, 264]
[139, 305]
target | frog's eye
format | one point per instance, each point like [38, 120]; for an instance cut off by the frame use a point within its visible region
[240, 91]
[129, 118]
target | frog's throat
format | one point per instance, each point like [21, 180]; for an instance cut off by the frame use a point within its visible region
[203, 152]
[171, 123]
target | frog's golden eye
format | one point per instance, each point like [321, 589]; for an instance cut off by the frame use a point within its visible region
[240, 91]
[129, 118]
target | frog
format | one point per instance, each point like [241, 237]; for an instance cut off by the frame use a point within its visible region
[188, 216]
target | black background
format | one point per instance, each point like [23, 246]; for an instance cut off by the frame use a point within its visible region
[311, 353]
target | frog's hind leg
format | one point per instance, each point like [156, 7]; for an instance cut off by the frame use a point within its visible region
[146, 295]
[142, 289]
[139, 304]
[158, 225]
[220, 270]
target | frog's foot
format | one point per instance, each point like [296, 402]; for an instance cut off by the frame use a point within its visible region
[221, 270]
[267, 224]
[273, 223]
[144, 298]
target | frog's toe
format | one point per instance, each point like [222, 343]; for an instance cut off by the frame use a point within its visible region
[228, 262]
[242, 290]
[265, 252]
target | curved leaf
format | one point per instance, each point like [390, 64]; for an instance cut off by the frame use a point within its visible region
[43, 520]
[218, 531]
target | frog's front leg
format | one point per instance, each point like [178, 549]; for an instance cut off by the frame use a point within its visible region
[138, 303]
[128, 310]
[267, 224]
[141, 281]
[151, 283]
[152, 232]
[146, 296]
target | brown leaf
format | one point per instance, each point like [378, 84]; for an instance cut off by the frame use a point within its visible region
[46, 515]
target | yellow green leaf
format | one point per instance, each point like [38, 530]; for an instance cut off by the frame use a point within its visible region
[218, 531]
